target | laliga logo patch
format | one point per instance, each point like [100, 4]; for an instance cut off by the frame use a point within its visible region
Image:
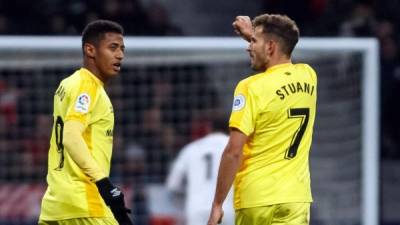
[82, 103]
[238, 102]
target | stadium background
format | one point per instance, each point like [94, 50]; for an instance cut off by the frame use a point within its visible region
[159, 125]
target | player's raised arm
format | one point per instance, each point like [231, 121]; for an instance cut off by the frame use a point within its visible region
[243, 27]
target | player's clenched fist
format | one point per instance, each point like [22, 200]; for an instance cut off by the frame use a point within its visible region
[243, 27]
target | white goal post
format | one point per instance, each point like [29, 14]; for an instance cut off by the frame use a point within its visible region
[368, 47]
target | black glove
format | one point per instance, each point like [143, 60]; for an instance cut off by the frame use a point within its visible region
[114, 198]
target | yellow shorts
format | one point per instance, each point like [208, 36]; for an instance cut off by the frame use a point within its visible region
[81, 221]
[282, 214]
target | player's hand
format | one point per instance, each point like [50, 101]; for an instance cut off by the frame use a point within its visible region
[243, 27]
[216, 215]
[114, 198]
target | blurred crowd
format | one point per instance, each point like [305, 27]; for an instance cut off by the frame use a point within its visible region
[60, 17]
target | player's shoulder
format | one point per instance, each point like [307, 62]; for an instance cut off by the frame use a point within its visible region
[214, 142]
[80, 79]
[70, 81]
[214, 138]
[253, 78]
[192, 146]
[201, 143]
[306, 67]
[250, 81]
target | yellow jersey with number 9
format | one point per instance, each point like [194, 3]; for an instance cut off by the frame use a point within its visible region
[71, 193]
[276, 110]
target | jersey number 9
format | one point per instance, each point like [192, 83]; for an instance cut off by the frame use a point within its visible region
[59, 130]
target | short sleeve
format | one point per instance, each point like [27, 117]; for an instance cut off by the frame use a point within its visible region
[81, 102]
[243, 109]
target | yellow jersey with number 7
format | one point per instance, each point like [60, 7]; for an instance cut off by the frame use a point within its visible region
[71, 193]
[276, 110]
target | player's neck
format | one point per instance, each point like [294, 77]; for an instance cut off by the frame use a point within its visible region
[94, 71]
[278, 60]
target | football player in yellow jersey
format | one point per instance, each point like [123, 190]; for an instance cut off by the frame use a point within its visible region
[271, 126]
[79, 190]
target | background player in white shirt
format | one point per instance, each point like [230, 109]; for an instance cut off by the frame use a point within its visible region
[194, 173]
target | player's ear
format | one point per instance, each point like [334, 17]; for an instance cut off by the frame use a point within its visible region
[267, 46]
[273, 46]
[89, 50]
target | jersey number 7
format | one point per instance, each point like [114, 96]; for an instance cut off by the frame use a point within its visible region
[303, 114]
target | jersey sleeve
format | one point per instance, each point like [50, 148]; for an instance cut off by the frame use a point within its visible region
[243, 109]
[312, 72]
[82, 101]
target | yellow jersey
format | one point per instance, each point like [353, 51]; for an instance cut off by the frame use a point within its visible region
[71, 193]
[276, 110]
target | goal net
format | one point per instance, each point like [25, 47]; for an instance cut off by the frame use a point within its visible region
[161, 97]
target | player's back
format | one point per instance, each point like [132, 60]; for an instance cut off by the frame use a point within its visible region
[278, 119]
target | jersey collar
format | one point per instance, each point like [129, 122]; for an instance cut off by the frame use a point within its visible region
[90, 74]
[278, 66]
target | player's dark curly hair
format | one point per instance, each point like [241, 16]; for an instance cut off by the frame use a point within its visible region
[281, 27]
[94, 32]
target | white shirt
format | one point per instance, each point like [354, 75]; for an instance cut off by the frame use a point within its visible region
[198, 163]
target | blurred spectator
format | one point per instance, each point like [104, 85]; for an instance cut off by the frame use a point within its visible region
[194, 172]
[390, 89]
[36, 146]
[56, 17]
[3, 24]
[157, 139]
[8, 103]
[166, 107]
[306, 13]
[133, 174]
[58, 25]
[133, 17]
[130, 171]
[361, 23]
[160, 23]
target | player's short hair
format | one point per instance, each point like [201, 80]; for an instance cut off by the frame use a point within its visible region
[282, 27]
[94, 32]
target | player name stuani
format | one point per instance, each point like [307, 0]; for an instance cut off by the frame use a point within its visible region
[293, 88]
